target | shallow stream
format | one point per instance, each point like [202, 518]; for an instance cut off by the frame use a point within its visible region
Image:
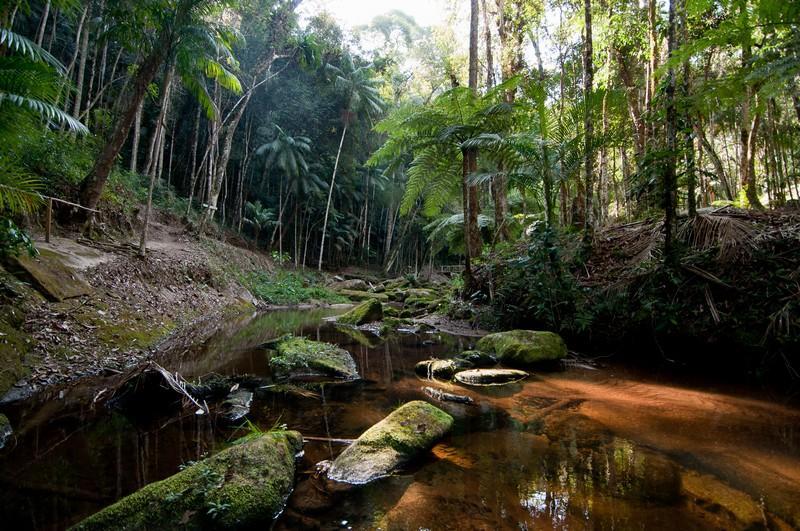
[583, 448]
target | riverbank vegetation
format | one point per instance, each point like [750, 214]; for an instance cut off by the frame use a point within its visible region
[622, 173]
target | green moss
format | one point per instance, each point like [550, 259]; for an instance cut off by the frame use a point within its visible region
[51, 275]
[14, 347]
[363, 295]
[408, 431]
[286, 287]
[367, 312]
[297, 356]
[242, 486]
[524, 347]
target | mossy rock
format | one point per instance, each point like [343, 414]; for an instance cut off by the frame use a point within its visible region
[355, 284]
[358, 296]
[243, 486]
[298, 357]
[5, 430]
[477, 358]
[442, 369]
[368, 311]
[14, 347]
[51, 276]
[523, 348]
[406, 433]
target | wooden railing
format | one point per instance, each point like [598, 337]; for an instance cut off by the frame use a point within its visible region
[458, 268]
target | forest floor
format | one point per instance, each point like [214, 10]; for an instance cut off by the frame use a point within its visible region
[129, 306]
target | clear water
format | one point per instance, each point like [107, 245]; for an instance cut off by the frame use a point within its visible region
[578, 449]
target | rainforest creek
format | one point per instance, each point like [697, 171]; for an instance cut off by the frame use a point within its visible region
[486, 264]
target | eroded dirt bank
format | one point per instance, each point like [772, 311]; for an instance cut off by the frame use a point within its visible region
[129, 305]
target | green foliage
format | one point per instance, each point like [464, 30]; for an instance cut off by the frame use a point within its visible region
[285, 287]
[14, 240]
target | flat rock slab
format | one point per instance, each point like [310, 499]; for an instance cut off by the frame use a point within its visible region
[52, 276]
[490, 376]
[407, 432]
[442, 369]
[246, 485]
[298, 357]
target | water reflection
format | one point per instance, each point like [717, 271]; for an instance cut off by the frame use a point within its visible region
[561, 451]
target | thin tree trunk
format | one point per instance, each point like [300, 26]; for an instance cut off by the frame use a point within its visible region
[588, 123]
[330, 196]
[137, 129]
[43, 23]
[487, 32]
[193, 174]
[76, 109]
[669, 192]
[95, 182]
[165, 90]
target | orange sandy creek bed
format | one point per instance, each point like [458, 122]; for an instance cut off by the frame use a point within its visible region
[730, 461]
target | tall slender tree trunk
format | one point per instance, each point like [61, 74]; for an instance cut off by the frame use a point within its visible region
[330, 197]
[43, 23]
[547, 176]
[137, 129]
[76, 109]
[94, 183]
[193, 174]
[588, 123]
[472, 239]
[154, 174]
[669, 194]
[487, 35]
[749, 119]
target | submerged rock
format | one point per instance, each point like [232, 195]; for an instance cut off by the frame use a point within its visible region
[407, 432]
[368, 311]
[243, 486]
[443, 396]
[524, 347]
[477, 358]
[237, 405]
[298, 357]
[490, 376]
[443, 369]
[5, 430]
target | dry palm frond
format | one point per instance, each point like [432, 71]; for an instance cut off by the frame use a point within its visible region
[733, 236]
[645, 241]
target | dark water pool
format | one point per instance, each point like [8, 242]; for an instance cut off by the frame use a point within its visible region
[580, 449]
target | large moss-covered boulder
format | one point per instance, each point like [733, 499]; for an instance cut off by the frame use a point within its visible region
[407, 432]
[297, 357]
[243, 486]
[523, 348]
[368, 311]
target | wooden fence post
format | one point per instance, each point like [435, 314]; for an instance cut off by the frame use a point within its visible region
[49, 219]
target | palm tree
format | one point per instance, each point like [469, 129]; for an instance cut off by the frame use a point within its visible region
[30, 82]
[359, 88]
[287, 153]
[197, 56]
[161, 30]
[259, 217]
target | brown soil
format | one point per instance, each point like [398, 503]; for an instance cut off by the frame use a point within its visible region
[137, 302]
